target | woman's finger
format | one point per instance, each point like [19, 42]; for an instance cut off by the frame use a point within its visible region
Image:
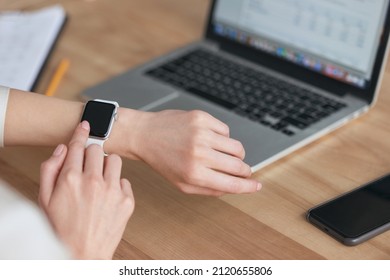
[226, 183]
[215, 125]
[94, 160]
[50, 169]
[76, 149]
[226, 145]
[228, 164]
[112, 168]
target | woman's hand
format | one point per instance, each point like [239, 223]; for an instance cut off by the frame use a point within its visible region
[84, 197]
[193, 150]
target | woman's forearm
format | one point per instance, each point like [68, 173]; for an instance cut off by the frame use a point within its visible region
[37, 120]
[34, 119]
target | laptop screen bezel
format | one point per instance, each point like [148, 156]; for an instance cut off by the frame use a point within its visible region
[298, 72]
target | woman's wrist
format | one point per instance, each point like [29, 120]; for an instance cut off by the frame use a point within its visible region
[126, 134]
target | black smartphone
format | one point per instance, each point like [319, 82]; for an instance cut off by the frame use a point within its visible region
[356, 216]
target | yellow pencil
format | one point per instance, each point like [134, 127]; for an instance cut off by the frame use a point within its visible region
[57, 77]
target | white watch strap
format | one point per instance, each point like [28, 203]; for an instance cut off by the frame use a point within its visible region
[99, 142]
[91, 141]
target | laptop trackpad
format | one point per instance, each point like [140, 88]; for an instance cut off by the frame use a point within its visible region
[133, 91]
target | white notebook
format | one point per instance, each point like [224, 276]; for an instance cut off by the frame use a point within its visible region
[26, 39]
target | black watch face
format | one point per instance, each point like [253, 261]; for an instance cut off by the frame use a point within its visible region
[99, 116]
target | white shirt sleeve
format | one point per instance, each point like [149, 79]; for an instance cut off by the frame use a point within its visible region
[4, 92]
[25, 233]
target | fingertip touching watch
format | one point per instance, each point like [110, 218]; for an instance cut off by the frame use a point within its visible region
[101, 115]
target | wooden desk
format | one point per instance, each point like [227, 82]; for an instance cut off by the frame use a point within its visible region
[103, 38]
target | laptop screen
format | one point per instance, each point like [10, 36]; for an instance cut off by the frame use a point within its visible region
[336, 38]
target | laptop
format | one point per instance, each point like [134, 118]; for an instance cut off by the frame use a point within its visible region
[280, 73]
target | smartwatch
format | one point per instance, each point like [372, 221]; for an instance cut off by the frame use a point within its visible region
[101, 115]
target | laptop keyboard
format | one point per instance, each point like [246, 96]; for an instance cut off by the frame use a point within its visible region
[252, 94]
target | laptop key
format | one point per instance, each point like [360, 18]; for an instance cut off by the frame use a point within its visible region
[296, 122]
[288, 132]
[280, 125]
[306, 118]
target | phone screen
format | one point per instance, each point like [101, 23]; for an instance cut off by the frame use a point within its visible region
[358, 212]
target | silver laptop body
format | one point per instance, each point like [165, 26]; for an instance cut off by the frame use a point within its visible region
[235, 33]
